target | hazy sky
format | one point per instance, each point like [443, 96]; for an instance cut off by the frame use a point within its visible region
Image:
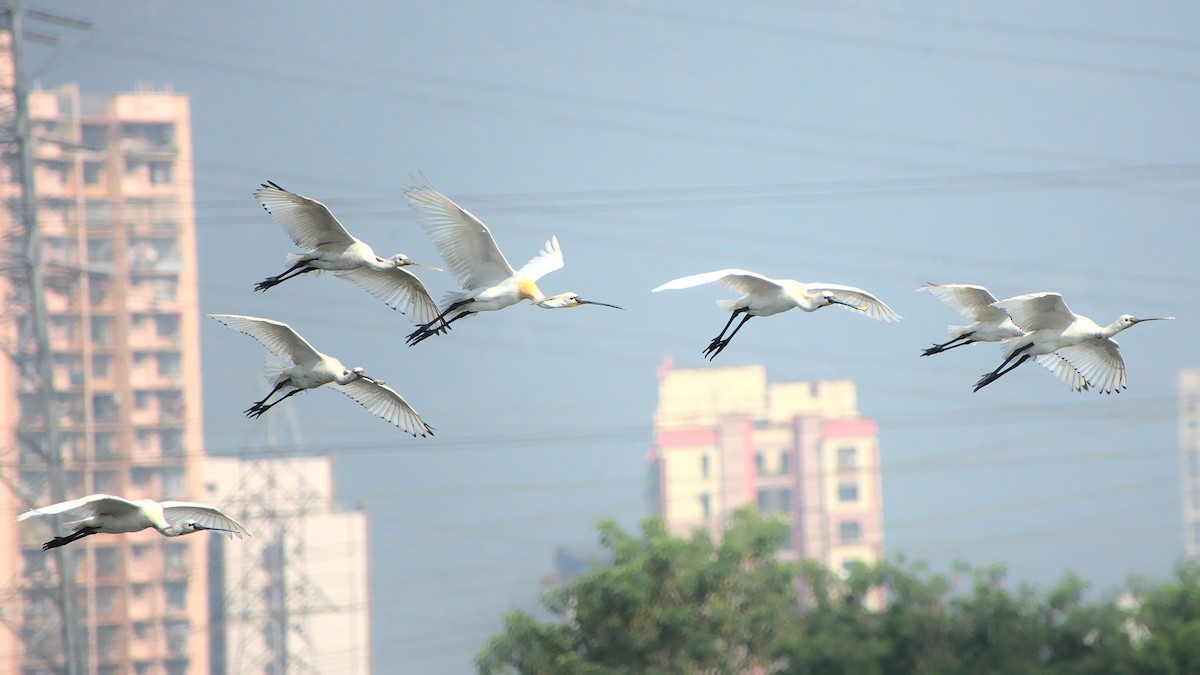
[1026, 146]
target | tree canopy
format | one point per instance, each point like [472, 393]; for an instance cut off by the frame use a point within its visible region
[670, 604]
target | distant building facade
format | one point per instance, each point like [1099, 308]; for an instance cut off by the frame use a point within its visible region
[726, 437]
[294, 596]
[114, 185]
[1189, 448]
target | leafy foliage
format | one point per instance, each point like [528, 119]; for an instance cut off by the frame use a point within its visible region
[670, 604]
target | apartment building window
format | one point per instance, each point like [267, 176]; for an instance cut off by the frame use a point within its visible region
[106, 562]
[166, 325]
[847, 492]
[95, 136]
[92, 172]
[161, 173]
[775, 500]
[169, 365]
[705, 469]
[849, 564]
[104, 406]
[705, 505]
[760, 464]
[105, 482]
[176, 593]
[849, 531]
[847, 458]
[100, 365]
[784, 462]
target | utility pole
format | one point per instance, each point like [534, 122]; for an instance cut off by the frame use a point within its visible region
[51, 449]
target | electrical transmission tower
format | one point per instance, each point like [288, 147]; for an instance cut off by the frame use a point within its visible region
[21, 264]
[270, 597]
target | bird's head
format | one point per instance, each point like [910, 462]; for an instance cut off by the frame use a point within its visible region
[192, 525]
[568, 299]
[1126, 320]
[828, 298]
[357, 373]
[401, 260]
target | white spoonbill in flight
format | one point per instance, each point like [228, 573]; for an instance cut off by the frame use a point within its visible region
[489, 283]
[764, 296]
[311, 225]
[1080, 353]
[312, 369]
[106, 514]
[990, 324]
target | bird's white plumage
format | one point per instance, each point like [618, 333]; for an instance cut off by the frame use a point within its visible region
[208, 516]
[306, 221]
[109, 513]
[546, 261]
[385, 402]
[1099, 362]
[875, 308]
[313, 369]
[1038, 311]
[757, 286]
[397, 287]
[1064, 371]
[464, 242]
[278, 337]
[971, 301]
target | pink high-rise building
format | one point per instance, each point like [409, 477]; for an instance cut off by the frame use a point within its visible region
[117, 224]
[726, 437]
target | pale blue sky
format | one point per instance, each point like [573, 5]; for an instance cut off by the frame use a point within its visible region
[1025, 146]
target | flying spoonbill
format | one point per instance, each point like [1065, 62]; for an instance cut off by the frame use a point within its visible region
[96, 514]
[990, 324]
[312, 369]
[1079, 352]
[764, 296]
[489, 283]
[311, 225]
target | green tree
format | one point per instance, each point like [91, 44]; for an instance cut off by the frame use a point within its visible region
[667, 604]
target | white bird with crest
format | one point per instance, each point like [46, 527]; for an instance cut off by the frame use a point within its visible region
[1077, 350]
[312, 225]
[764, 296]
[106, 514]
[470, 252]
[312, 369]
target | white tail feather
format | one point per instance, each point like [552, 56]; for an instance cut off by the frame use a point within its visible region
[727, 305]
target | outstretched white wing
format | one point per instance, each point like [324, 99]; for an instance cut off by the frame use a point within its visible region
[871, 305]
[307, 221]
[1064, 371]
[397, 287]
[741, 281]
[546, 261]
[1099, 362]
[85, 507]
[276, 336]
[209, 517]
[969, 300]
[385, 402]
[464, 242]
[1038, 311]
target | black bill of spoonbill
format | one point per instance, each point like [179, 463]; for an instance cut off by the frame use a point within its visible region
[764, 296]
[470, 252]
[312, 226]
[106, 514]
[989, 324]
[1079, 352]
[311, 369]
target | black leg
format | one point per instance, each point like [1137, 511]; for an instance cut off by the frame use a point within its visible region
[732, 316]
[1001, 371]
[423, 331]
[259, 404]
[259, 409]
[937, 349]
[301, 267]
[441, 329]
[63, 541]
[719, 346]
